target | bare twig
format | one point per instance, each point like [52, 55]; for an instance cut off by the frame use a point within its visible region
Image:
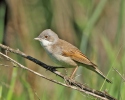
[69, 86]
[37, 95]
[4, 65]
[119, 73]
[71, 83]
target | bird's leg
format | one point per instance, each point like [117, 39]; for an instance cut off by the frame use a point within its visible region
[74, 71]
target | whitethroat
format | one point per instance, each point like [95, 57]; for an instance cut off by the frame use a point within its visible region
[65, 54]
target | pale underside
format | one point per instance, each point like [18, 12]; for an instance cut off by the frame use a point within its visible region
[66, 54]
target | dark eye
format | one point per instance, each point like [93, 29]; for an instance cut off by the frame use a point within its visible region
[46, 36]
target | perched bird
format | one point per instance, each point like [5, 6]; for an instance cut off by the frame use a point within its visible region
[65, 54]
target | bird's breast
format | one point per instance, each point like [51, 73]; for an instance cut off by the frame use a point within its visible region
[63, 61]
[56, 55]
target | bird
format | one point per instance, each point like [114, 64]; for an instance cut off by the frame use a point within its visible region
[66, 54]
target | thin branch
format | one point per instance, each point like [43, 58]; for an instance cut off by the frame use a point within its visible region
[71, 83]
[69, 86]
[4, 65]
[37, 95]
[119, 73]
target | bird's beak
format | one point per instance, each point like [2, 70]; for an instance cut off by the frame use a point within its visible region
[36, 38]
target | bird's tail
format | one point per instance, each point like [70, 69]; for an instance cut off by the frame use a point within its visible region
[101, 74]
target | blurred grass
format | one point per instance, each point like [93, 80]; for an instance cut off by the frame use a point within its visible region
[90, 25]
[12, 84]
[2, 12]
[120, 21]
[28, 88]
[0, 92]
[100, 26]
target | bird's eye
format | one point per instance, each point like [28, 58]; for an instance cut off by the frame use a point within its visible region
[46, 36]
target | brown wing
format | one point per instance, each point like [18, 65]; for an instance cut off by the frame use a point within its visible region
[75, 54]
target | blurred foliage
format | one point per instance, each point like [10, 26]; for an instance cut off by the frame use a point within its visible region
[94, 26]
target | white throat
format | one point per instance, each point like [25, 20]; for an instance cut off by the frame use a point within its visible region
[45, 42]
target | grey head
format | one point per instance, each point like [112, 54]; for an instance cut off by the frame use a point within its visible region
[47, 37]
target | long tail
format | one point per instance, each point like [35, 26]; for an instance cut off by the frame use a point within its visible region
[101, 74]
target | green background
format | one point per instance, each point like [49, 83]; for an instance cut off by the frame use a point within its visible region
[96, 27]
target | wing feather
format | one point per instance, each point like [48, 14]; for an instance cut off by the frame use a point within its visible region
[75, 54]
